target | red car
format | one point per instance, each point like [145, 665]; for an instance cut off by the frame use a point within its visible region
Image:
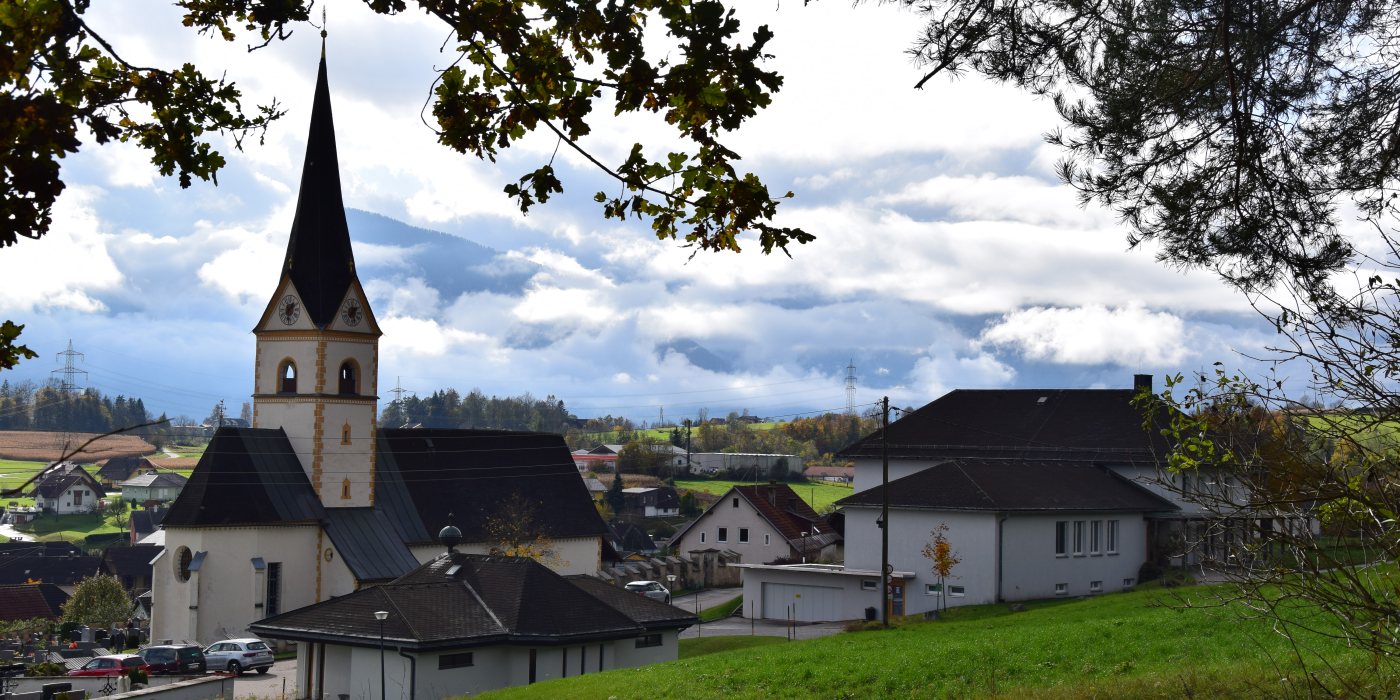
[114, 665]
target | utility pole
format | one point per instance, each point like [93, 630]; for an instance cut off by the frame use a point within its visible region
[687, 446]
[885, 511]
[851, 388]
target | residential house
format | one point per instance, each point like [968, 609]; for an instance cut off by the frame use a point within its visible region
[651, 501]
[1043, 493]
[153, 487]
[595, 487]
[119, 469]
[464, 624]
[30, 601]
[65, 489]
[316, 500]
[132, 565]
[761, 523]
[145, 522]
[630, 539]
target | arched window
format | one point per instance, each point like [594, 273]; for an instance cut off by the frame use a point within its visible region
[287, 378]
[345, 489]
[349, 378]
[345, 434]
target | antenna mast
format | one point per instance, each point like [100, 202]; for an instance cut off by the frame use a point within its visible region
[851, 388]
[69, 372]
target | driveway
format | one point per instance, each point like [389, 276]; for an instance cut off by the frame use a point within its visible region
[277, 684]
[706, 598]
[735, 626]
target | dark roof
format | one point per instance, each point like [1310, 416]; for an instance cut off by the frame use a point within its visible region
[156, 480]
[319, 259]
[144, 522]
[41, 549]
[64, 478]
[28, 601]
[134, 560]
[463, 600]
[631, 538]
[62, 571]
[247, 476]
[1010, 485]
[425, 476]
[368, 544]
[119, 468]
[782, 507]
[1072, 424]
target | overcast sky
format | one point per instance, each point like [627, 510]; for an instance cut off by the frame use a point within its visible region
[948, 255]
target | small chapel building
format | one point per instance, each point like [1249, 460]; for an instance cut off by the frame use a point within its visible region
[315, 501]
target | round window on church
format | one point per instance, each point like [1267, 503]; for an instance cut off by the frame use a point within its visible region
[183, 557]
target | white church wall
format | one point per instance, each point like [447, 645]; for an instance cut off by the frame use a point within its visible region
[229, 592]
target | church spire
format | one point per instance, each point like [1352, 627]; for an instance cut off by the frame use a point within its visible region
[319, 260]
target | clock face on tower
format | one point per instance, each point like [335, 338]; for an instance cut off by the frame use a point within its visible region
[352, 313]
[289, 309]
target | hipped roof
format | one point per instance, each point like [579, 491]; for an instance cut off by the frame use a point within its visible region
[1014, 485]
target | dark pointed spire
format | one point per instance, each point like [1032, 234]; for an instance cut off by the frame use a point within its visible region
[319, 259]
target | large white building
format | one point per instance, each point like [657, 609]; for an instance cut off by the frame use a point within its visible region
[315, 500]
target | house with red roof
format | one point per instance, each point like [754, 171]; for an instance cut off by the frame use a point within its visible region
[762, 523]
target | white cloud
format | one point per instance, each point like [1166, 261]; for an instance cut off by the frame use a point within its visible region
[68, 267]
[1131, 335]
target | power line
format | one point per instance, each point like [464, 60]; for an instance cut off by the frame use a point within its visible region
[69, 372]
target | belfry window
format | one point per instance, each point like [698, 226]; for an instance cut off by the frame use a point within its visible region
[287, 378]
[349, 379]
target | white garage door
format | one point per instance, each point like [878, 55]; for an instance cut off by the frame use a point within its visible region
[812, 603]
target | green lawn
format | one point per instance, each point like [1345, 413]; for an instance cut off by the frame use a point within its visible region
[1129, 645]
[713, 645]
[818, 494]
[721, 611]
[69, 528]
[15, 472]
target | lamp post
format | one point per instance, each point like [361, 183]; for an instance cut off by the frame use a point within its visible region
[381, 615]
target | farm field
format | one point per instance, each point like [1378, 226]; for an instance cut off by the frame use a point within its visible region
[68, 528]
[1140, 644]
[34, 445]
[819, 495]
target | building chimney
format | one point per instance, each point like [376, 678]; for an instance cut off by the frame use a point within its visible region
[1141, 383]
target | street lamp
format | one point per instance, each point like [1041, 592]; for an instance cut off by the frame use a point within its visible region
[381, 615]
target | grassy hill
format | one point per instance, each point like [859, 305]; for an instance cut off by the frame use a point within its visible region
[1141, 644]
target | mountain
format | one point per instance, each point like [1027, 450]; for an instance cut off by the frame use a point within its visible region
[450, 264]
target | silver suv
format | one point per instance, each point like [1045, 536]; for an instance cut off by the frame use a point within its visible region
[238, 655]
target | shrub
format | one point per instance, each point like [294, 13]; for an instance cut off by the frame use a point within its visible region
[1149, 571]
[139, 676]
[48, 668]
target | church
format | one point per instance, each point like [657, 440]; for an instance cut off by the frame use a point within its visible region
[315, 500]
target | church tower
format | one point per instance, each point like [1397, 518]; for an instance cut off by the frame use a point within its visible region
[316, 373]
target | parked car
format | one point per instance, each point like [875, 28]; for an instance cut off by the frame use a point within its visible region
[650, 589]
[113, 665]
[174, 659]
[238, 655]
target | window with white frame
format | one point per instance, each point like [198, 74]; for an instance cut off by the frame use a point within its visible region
[933, 589]
[765, 539]
[743, 535]
[1079, 538]
[870, 585]
[723, 535]
[1127, 583]
[956, 591]
[1111, 544]
[1062, 589]
[1096, 586]
[702, 538]
[736, 502]
[1095, 536]
[1062, 538]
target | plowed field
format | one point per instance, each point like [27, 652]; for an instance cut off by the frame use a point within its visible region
[47, 447]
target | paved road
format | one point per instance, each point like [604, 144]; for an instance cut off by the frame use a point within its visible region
[708, 598]
[269, 685]
[738, 626]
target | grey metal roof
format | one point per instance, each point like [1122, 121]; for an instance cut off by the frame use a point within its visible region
[247, 476]
[368, 543]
